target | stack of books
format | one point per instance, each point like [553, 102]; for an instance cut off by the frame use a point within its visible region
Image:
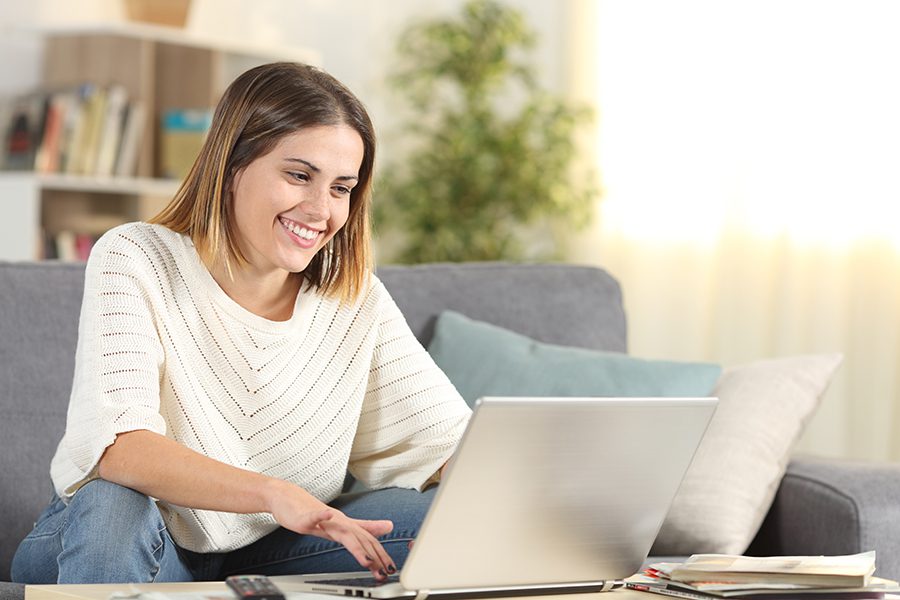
[82, 130]
[705, 576]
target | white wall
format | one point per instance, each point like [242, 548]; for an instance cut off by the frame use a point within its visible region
[20, 49]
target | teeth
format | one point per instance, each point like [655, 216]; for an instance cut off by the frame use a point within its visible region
[307, 234]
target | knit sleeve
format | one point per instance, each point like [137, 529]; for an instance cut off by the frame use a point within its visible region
[117, 361]
[412, 416]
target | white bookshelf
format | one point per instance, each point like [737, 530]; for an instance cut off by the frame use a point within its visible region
[20, 224]
[131, 186]
[164, 68]
[31, 205]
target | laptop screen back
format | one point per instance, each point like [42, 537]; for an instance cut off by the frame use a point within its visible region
[556, 490]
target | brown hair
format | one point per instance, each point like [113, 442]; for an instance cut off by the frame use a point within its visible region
[259, 108]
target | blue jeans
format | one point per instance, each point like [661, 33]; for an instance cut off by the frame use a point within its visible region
[112, 534]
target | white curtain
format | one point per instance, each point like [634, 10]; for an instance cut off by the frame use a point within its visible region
[749, 152]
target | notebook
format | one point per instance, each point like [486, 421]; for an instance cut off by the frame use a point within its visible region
[545, 495]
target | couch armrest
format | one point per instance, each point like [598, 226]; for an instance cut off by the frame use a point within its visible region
[11, 591]
[829, 506]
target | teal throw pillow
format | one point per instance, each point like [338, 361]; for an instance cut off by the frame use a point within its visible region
[485, 360]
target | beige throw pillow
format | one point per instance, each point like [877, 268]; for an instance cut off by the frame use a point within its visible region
[729, 487]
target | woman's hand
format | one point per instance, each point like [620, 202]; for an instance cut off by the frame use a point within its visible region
[295, 509]
[179, 475]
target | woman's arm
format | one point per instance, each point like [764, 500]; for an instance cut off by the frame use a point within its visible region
[412, 416]
[162, 468]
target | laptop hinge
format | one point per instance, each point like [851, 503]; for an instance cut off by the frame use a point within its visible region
[609, 585]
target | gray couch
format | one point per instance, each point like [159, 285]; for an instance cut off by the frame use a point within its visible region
[822, 507]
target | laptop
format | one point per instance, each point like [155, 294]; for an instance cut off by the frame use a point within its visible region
[544, 496]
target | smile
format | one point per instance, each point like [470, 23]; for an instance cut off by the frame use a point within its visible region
[298, 230]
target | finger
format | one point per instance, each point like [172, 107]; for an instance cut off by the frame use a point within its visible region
[359, 544]
[376, 528]
[370, 529]
[380, 553]
[378, 560]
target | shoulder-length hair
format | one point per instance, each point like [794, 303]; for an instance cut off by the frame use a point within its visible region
[257, 110]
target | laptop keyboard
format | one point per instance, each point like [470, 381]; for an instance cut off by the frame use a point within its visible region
[361, 581]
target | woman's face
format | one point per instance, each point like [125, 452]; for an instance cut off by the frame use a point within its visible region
[290, 202]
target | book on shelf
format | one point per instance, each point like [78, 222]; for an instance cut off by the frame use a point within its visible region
[6, 107]
[46, 159]
[744, 577]
[132, 134]
[181, 138]
[55, 156]
[23, 131]
[83, 148]
[65, 246]
[85, 130]
[68, 246]
[75, 130]
[110, 135]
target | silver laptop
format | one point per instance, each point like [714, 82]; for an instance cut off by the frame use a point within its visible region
[545, 495]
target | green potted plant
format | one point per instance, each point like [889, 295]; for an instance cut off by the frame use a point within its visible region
[491, 172]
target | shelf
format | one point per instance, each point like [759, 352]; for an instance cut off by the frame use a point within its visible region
[34, 204]
[131, 186]
[182, 37]
[128, 186]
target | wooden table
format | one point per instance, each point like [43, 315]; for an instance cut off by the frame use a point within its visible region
[218, 590]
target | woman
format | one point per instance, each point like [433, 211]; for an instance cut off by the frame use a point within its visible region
[236, 356]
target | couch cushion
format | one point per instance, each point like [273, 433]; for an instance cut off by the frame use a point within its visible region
[485, 360]
[560, 304]
[730, 485]
[38, 330]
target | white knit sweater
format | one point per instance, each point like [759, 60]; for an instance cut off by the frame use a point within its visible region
[162, 347]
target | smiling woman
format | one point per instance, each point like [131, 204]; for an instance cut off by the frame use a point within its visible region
[286, 210]
[232, 363]
[260, 109]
